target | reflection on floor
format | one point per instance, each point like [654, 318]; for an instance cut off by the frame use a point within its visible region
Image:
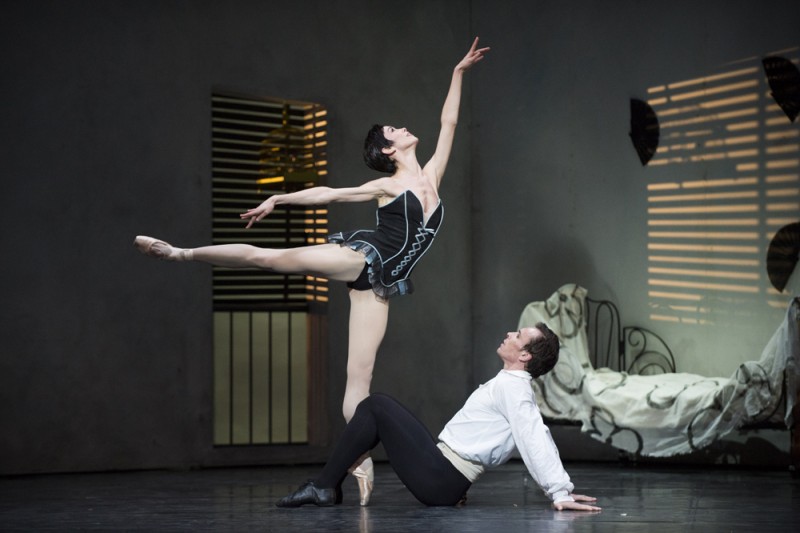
[505, 500]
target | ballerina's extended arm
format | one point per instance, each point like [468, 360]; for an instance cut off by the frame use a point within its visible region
[317, 196]
[438, 161]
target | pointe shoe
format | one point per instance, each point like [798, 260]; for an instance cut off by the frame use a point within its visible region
[365, 475]
[309, 493]
[160, 249]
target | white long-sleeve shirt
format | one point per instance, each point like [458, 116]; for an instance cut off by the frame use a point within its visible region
[502, 415]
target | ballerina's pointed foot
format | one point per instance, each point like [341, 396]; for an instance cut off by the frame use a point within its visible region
[161, 250]
[310, 493]
[365, 475]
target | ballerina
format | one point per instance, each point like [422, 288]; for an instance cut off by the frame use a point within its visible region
[375, 264]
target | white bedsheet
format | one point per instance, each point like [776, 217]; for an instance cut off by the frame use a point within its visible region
[664, 414]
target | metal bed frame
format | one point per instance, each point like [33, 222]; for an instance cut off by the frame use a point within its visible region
[631, 349]
[638, 350]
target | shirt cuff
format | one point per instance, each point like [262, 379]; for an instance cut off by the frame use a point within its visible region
[562, 496]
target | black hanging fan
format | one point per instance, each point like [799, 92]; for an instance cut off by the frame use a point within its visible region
[782, 255]
[644, 130]
[784, 82]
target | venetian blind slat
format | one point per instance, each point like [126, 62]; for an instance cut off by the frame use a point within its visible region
[262, 147]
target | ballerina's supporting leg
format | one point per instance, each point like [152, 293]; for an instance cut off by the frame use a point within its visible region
[368, 320]
[369, 317]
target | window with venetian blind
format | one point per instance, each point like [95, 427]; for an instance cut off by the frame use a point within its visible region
[267, 327]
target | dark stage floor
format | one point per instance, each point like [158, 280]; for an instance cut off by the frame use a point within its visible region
[634, 498]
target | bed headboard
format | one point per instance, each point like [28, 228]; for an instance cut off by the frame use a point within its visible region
[632, 349]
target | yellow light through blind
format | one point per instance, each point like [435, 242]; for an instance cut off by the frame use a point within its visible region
[260, 147]
[708, 237]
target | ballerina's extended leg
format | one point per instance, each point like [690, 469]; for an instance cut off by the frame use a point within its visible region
[327, 260]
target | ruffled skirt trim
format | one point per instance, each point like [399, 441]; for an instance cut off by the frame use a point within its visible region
[400, 287]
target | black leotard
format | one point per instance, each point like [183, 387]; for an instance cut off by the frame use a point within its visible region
[392, 249]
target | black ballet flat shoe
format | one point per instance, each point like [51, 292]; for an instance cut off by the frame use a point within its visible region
[309, 493]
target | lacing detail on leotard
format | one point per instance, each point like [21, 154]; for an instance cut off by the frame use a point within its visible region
[421, 236]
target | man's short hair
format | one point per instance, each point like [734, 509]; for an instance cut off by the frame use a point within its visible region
[544, 351]
[373, 151]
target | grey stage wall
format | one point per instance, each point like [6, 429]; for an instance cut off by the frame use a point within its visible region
[106, 355]
[559, 193]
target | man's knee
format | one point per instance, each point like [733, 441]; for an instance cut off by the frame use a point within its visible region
[379, 401]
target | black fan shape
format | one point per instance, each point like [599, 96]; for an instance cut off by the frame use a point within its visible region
[644, 130]
[782, 255]
[784, 81]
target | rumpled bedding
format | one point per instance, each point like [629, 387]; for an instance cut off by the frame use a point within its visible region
[660, 415]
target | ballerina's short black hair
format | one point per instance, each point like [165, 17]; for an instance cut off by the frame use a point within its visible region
[544, 351]
[373, 154]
